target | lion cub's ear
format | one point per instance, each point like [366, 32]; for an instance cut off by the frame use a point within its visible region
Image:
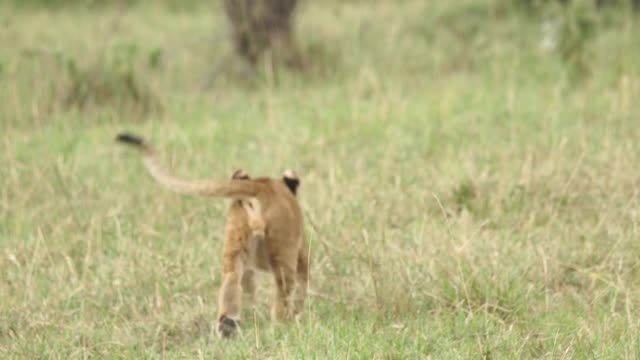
[240, 174]
[292, 180]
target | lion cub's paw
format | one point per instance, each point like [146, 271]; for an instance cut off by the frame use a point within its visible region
[227, 327]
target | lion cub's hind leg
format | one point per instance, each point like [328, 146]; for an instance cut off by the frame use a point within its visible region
[302, 277]
[241, 236]
[238, 260]
[284, 272]
[230, 297]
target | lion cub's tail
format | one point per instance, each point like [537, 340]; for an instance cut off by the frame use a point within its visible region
[234, 188]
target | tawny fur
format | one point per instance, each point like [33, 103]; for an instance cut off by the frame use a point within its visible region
[264, 231]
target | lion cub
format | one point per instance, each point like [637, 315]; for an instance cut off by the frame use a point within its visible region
[264, 231]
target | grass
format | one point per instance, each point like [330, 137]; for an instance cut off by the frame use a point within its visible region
[464, 196]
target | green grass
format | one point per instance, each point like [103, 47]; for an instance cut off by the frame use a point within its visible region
[464, 196]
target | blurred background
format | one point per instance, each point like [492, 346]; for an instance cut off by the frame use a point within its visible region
[468, 174]
[136, 55]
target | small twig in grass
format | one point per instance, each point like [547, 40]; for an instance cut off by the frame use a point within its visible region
[578, 165]
[545, 275]
[376, 292]
[32, 265]
[67, 195]
[444, 215]
[328, 298]
[328, 247]
[464, 285]
[522, 345]
[257, 331]
[322, 296]
[215, 71]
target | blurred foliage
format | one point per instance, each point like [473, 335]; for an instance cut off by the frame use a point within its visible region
[173, 4]
[114, 80]
[600, 4]
[578, 24]
[570, 25]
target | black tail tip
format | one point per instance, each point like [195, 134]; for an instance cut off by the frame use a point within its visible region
[130, 139]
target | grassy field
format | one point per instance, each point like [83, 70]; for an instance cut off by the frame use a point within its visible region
[465, 195]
